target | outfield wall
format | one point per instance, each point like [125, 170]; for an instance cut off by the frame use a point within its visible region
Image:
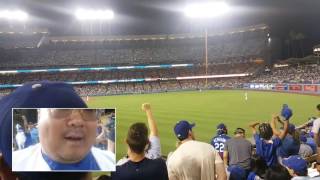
[285, 87]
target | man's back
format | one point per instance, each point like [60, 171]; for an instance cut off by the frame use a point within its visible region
[144, 170]
[239, 150]
[218, 142]
[289, 146]
[193, 160]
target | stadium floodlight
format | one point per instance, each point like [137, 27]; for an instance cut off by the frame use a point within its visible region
[206, 10]
[14, 15]
[89, 14]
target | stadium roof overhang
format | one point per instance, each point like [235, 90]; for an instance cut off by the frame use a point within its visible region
[307, 59]
[261, 27]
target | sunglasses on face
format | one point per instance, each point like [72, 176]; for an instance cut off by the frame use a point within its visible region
[86, 114]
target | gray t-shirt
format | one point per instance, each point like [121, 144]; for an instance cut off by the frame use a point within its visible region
[239, 151]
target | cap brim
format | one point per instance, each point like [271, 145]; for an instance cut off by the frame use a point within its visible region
[285, 162]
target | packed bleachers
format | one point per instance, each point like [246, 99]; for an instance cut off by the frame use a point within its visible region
[230, 47]
[291, 74]
[14, 41]
[214, 69]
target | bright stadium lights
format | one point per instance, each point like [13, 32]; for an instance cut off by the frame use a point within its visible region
[89, 14]
[206, 10]
[14, 15]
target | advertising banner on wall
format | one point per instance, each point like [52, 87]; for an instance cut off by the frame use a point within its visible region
[281, 87]
[295, 87]
[310, 88]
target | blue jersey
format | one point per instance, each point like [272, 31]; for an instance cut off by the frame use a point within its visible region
[218, 143]
[28, 140]
[34, 135]
[288, 147]
[267, 150]
[87, 163]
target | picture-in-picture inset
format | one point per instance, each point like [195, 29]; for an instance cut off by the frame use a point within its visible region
[48, 139]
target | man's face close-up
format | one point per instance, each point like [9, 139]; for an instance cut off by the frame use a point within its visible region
[67, 135]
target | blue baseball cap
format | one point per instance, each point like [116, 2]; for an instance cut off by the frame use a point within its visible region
[296, 163]
[44, 94]
[303, 138]
[237, 172]
[181, 129]
[286, 112]
[221, 128]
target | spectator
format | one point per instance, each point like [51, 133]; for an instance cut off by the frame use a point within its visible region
[258, 168]
[111, 132]
[306, 131]
[238, 150]
[193, 159]
[218, 141]
[101, 139]
[138, 166]
[290, 145]
[305, 150]
[315, 130]
[34, 95]
[277, 172]
[237, 173]
[66, 140]
[20, 137]
[266, 146]
[297, 167]
[154, 150]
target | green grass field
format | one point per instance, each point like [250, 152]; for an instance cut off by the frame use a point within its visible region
[206, 109]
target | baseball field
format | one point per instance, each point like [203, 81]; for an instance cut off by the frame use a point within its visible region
[206, 109]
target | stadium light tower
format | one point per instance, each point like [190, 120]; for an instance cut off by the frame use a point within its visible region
[206, 10]
[94, 15]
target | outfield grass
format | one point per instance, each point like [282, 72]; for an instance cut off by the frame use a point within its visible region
[206, 109]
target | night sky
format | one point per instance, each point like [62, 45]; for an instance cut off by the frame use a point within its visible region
[165, 16]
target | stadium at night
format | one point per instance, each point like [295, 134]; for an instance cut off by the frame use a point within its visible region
[209, 63]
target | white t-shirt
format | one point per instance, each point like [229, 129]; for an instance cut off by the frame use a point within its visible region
[31, 159]
[316, 126]
[153, 153]
[193, 160]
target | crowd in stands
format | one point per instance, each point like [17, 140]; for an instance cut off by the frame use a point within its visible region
[231, 48]
[291, 74]
[214, 69]
[165, 78]
[14, 41]
[280, 150]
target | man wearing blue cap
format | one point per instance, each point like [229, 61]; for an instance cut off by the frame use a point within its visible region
[297, 167]
[305, 150]
[218, 141]
[50, 95]
[193, 159]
